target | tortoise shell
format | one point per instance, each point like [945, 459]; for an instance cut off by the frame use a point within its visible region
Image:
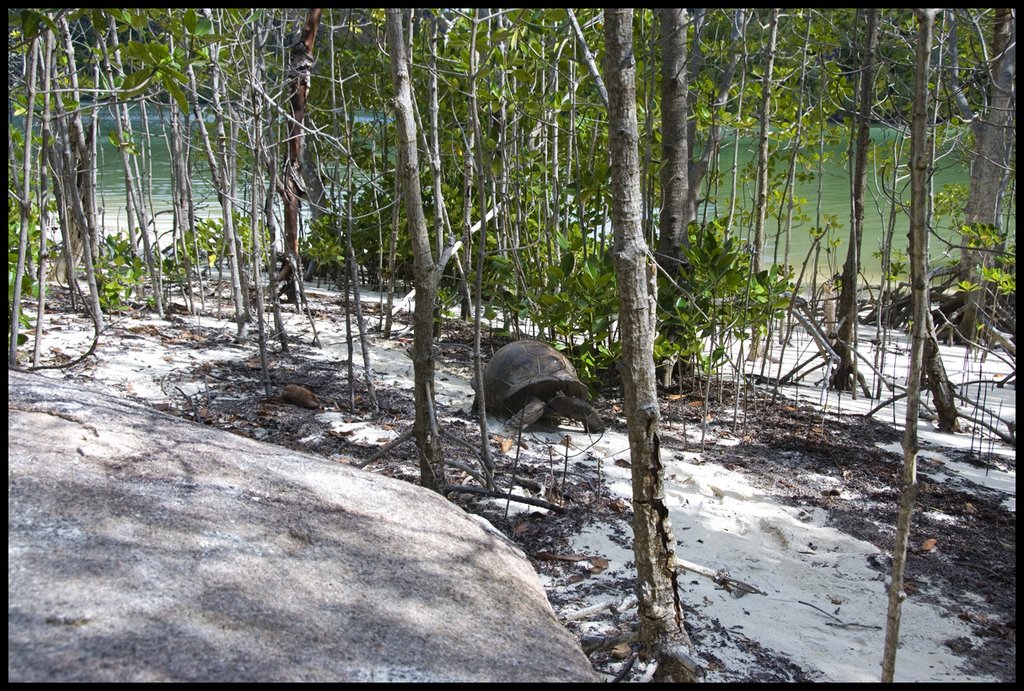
[529, 369]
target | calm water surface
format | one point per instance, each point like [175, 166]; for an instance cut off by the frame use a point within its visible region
[835, 200]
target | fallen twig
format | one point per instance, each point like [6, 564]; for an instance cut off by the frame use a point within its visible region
[842, 623]
[195, 411]
[722, 578]
[403, 437]
[625, 668]
[615, 606]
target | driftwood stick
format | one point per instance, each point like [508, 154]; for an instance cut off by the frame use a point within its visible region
[722, 578]
[615, 606]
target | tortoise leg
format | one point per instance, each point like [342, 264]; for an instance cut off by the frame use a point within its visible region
[577, 409]
[532, 410]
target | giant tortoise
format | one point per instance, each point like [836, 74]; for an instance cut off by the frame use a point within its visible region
[530, 379]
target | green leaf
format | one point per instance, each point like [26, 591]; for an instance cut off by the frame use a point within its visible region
[136, 82]
[137, 51]
[555, 274]
[30, 22]
[139, 20]
[159, 52]
[568, 264]
[174, 74]
[176, 93]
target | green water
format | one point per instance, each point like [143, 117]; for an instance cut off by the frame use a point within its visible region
[835, 199]
[157, 168]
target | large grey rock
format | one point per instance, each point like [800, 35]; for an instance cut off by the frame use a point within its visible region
[143, 547]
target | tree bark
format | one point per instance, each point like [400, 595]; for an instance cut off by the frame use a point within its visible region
[44, 214]
[134, 199]
[675, 150]
[82, 231]
[937, 381]
[588, 57]
[425, 427]
[845, 377]
[475, 140]
[661, 622]
[763, 174]
[920, 170]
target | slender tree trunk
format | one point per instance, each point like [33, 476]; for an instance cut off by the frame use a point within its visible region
[761, 205]
[588, 57]
[268, 213]
[675, 150]
[73, 166]
[795, 149]
[661, 621]
[66, 182]
[476, 137]
[934, 371]
[220, 175]
[182, 204]
[763, 174]
[389, 273]
[24, 201]
[122, 125]
[351, 263]
[132, 183]
[920, 170]
[734, 185]
[82, 230]
[425, 427]
[433, 147]
[44, 214]
[226, 193]
[256, 140]
[468, 165]
[846, 375]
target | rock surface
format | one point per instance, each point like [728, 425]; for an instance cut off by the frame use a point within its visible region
[142, 547]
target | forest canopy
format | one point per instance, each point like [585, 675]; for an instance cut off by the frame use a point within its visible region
[192, 114]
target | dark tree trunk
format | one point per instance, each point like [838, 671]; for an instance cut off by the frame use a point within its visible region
[937, 381]
[990, 162]
[845, 377]
[675, 150]
[300, 69]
